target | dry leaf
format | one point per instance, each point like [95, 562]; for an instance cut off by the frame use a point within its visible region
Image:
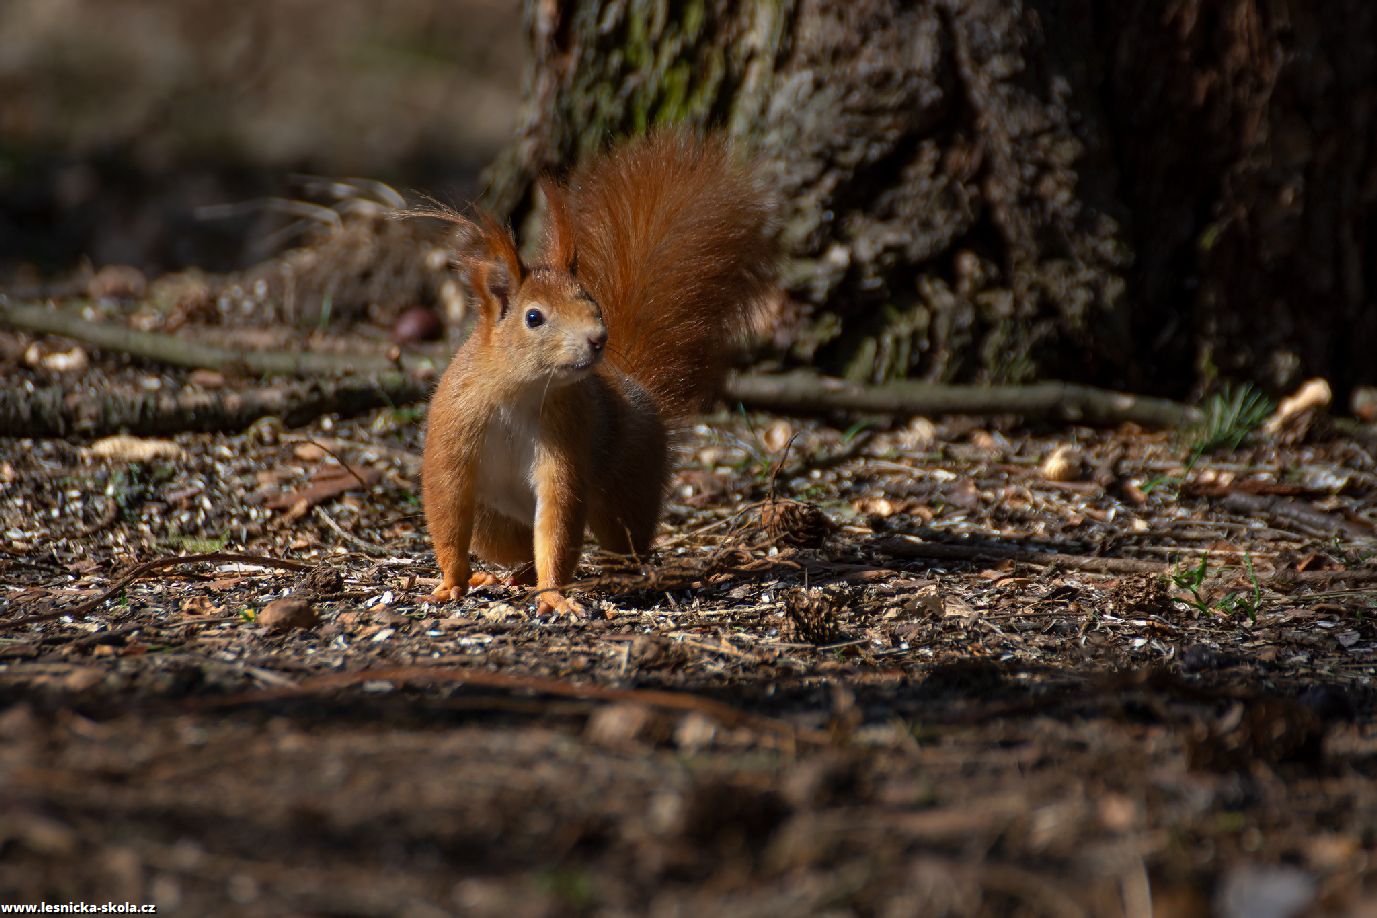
[877, 506]
[200, 605]
[133, 449]
[1314, 395]
[309, 452]
[777, 436]
[330, 481]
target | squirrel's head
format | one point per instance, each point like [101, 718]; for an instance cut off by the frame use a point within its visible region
[536, 316]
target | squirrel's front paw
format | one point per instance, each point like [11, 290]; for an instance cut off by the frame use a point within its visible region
[451, 589]
[557, 602]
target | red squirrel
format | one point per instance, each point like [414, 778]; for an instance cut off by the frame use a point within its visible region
[556, 414]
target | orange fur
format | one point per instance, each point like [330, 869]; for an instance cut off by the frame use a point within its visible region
[672, 239]
[658, 250]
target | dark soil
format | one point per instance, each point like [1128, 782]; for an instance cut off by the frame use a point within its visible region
[847, 730]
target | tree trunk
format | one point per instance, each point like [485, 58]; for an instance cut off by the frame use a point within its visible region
[1125, 192]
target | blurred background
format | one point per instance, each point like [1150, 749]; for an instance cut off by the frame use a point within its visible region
[126, 126]
[1150, 196]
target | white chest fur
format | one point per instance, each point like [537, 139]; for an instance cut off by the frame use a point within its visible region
[506, 468]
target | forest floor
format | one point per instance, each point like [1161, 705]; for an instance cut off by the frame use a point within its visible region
[949, 680]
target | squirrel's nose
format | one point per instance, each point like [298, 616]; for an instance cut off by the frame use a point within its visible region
[598, 341]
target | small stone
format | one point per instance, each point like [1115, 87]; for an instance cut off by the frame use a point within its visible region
[452, 299]
[695, 732]
[419, 323]
[1063, 464]
[288, 615]
[625, 724]
[73, 361]
[182, 295]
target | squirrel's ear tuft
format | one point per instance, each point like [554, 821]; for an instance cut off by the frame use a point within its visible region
[559, 232]
[500, 245]
[494, 268]
[491, 292]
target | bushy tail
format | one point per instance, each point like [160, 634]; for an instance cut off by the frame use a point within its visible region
[672, 237]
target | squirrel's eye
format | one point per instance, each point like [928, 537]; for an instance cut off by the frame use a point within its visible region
[534, 318]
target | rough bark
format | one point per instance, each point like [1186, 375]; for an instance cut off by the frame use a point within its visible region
[1247, 132]
[1128, 193]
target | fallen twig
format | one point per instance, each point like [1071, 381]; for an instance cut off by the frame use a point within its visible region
[1307, 517]
[175, 351]
[806, 393]
[1354, 575]
[797, 393]
[57, 411]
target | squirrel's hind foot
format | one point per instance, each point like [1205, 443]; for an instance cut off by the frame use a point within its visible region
[556, 602]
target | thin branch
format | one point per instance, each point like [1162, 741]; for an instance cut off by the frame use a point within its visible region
[807, 393]
[795, 393]
[58, 411]
[175, 351]
[344, 465]
[368, 548]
